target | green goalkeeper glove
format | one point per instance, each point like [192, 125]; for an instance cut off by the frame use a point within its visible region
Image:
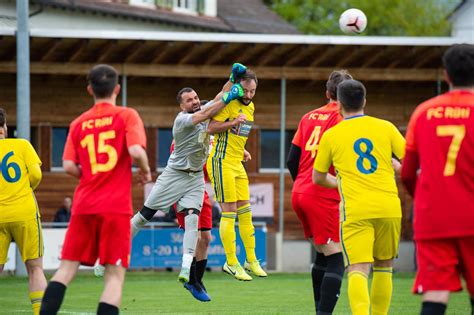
[235, 92]
[238, 70]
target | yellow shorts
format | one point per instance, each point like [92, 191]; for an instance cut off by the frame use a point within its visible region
[229, 179]
[27, 235]
[365, 240]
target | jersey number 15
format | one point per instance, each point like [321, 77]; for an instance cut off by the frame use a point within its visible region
[102, 148]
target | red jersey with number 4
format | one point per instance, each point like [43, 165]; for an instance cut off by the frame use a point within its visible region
[440, 136]
[98, 141]
[310, 129]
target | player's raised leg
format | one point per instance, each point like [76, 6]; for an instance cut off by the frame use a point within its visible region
[189, 243]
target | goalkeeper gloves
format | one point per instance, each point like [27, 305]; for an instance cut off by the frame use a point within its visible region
[238, 70]
[235, 92]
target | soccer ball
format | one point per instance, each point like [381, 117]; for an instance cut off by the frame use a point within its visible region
[353, 21]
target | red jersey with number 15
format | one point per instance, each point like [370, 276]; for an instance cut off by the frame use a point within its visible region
[310, 129]
[98, 141]
[441, 135]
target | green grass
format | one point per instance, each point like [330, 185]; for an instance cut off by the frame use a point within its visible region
[159, 292]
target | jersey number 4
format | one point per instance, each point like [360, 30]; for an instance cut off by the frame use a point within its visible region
[457, 132]
[102, 148]
[312, 143]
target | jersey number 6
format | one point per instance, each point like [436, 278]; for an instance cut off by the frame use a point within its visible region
[5, 167]
[89, 143]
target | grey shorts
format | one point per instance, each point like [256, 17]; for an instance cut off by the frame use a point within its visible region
[175, 186]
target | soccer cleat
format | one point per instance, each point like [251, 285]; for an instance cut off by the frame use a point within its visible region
[197, 292]
[237, 272]
[99, 271]
[184, 275]
[255, 268]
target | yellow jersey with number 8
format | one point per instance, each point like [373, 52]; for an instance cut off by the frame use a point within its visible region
[361, 149]
[17, 201]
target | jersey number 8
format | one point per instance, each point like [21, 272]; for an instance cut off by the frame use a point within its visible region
[365, 155]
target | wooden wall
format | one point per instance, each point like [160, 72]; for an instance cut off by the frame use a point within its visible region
[56, 100]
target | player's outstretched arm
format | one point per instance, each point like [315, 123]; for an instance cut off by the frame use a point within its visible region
[71, 168]
[324, 179]
[35, 175]
[221, 126]
[210, 110]
[138, 155]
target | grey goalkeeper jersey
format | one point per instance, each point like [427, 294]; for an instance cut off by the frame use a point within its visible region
[191, 143]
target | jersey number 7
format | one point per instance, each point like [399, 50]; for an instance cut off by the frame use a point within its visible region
[457, 132]
[89, 143]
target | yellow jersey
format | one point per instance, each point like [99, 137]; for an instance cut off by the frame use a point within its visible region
[361, 149]
[17, 201]
[229, 145]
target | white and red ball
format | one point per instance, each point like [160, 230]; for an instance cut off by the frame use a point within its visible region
[353, 21]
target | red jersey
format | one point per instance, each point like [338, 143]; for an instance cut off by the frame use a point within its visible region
[310, 130]
[440, 142]
[98, 141]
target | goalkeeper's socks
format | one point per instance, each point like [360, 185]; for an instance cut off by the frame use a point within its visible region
[107, 309]
[433, 308]
[138, 221]
[53, 298]
[317, 274]
[331, 284]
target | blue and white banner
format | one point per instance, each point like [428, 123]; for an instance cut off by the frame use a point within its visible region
[162, 248]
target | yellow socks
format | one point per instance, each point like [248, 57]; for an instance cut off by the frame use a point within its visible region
[358, 291]
[227, 234]
[35, 298]
[247, 231]
[381, 290]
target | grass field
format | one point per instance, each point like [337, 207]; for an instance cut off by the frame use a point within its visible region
[159, 292]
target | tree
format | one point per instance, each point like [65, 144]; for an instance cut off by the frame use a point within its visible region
[386, 18]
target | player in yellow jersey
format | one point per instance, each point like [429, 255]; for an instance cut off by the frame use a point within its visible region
[361, 149]
[231, 127]
[20, 174]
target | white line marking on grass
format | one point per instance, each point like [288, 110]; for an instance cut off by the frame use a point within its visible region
[61, 312]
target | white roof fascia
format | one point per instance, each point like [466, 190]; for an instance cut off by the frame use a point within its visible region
[251, 38]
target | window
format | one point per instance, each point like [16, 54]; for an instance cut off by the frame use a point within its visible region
[59, 140]
[145, 3]
[185, 6]
[165, 137]
[270, 147]
[13, 133]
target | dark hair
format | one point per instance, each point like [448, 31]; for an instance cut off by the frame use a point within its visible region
[3, 117]
[181, 92]
[249, 75]
[458, 61]
[351, 95]
[103, 79]
[336, 77]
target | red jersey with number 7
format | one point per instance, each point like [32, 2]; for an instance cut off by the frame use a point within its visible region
[98, 141]
[310, 129]
[440, 138]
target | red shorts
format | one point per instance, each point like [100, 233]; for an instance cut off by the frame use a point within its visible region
[319, 216]
[205, 217]
[442, 262]
[103, 236]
